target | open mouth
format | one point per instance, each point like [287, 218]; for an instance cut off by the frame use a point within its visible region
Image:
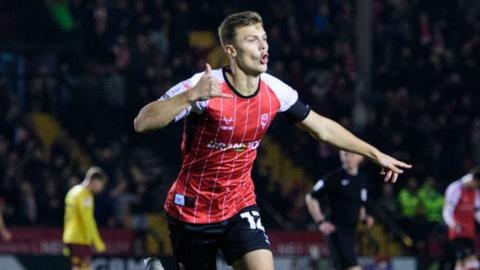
[264, 58]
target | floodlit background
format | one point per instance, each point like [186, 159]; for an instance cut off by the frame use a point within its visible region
[402, 74]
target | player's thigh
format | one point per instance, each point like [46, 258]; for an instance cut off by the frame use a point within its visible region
[80, 263]
[464, 248]
[245, 234]
[194, 248]
[261, 259]
[80, 256]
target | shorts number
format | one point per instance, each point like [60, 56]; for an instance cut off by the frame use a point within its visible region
[251, 216]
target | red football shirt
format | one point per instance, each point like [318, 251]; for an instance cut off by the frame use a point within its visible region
[219, 145]
[460, 207]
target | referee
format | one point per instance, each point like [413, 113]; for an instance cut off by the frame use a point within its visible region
[345, 194]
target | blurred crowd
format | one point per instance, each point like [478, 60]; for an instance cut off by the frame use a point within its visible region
[120, 55]
[36, 178]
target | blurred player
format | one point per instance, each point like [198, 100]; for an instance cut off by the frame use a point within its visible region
[227, 111]
[347, 193]
[461, 209]
[80, 229]
[4, 232]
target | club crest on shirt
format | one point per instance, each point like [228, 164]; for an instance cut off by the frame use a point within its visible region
[345, 182]
[264, 120]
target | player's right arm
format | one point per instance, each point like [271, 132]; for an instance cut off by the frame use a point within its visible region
[160, 113]
[452, 196]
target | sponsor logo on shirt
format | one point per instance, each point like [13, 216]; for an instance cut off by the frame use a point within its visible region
[239, 147]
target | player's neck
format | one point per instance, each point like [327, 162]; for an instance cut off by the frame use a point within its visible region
[351, 171]
[467, 181]
[86, 184]
[243, 83]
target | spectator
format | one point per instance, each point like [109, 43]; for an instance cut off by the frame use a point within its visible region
[432, 201]
[412, 214]
[409, 199]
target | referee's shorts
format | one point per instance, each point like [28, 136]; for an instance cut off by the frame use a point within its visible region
[341, 245]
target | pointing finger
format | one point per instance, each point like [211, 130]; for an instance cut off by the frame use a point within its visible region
[388, 176]
[404, 165]
[394, 177]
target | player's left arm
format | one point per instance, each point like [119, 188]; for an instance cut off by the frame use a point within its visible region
[85, 205]
[326, 130]
[329, 131]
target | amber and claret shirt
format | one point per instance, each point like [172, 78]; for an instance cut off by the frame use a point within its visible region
[79, 224]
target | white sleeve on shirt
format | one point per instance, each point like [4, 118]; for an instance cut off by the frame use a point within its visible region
[286, 94]
[198, 106]
[452, 196]
[477, 206]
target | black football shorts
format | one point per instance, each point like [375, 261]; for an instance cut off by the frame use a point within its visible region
[195, 246]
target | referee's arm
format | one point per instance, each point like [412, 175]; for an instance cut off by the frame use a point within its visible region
[314, 209]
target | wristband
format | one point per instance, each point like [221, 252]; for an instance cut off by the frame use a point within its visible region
[320, 222]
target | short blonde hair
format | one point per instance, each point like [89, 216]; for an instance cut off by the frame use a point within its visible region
[96, 173]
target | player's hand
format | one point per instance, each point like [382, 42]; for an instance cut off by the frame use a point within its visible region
[391, 167]
[207, 87]
[100, 247]
[326, 228]
[456, 227]
[6, 235]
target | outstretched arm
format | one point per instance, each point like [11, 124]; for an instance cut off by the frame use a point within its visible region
[160, 113]
[329, 131]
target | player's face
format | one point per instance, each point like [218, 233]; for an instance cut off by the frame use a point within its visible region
[250, 49]
[98, 186]
[350, 160]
